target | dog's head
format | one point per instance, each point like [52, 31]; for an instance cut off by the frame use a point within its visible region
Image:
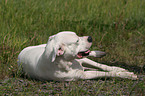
[69, 45]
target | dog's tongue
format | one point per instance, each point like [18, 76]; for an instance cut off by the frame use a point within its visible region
[87, 52]
[79, 55]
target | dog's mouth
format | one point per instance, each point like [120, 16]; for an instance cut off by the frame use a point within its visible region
[83, 54]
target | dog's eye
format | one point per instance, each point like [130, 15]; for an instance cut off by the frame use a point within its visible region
[77, 40]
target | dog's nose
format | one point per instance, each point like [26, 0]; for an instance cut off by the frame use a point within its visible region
[90, 39]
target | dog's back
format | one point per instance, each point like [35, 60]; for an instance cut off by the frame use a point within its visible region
[28, 57]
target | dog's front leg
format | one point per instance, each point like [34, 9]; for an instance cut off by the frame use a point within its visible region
[98, 74]
[89, 62]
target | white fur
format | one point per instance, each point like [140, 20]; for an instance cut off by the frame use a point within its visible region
[57, 60]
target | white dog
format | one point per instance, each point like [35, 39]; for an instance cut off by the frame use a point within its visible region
[62, 57]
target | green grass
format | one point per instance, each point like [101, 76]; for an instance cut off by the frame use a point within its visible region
[117, 27]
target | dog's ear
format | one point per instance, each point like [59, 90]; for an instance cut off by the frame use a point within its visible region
[54, 48]
[58, 50]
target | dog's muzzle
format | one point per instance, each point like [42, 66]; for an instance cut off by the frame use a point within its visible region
[83, 54]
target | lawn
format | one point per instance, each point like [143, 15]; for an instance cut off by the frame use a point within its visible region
[117, 27]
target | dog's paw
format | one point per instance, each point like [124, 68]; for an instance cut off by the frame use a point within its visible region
[118, 69]
[128, 75]
[98, 54]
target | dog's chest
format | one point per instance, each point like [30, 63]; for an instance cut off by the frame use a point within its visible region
[64, 65]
